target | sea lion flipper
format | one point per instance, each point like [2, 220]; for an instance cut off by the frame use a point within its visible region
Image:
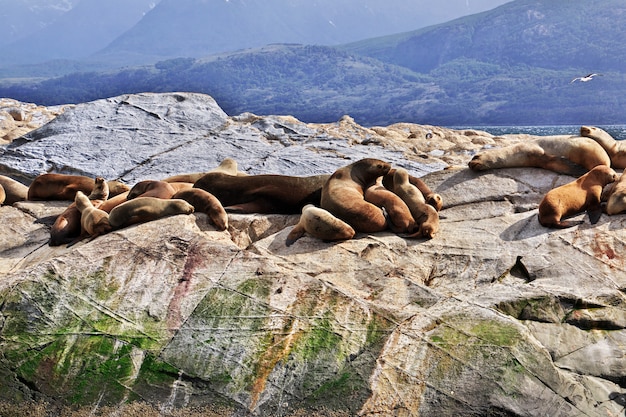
[566, 224]
[594, 214]
[296, 233]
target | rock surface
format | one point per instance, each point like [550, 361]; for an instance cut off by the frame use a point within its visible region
[18, 118]
[494, 316]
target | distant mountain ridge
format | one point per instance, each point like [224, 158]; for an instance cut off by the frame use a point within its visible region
[544, 34]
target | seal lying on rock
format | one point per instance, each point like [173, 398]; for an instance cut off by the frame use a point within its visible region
[266, 193]
[399, 216]
[94, 222]
[14, 191]
[615, 196]
[205, 202]
[615, 149]
[344, 195]
[67, 226]
[320, 224]
[145, 209]
[570, 155]
[227, 166]
[425, 215]
[575, 197]
[430, 197]
[151, 188]
[64, 187]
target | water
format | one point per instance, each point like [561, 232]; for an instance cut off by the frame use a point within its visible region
[617, 131]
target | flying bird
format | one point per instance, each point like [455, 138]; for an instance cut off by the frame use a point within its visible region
[586, 78]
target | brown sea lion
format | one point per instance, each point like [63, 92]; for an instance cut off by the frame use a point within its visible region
[320, 224]
[151, 188]
[343, 195]
[430, 197]
[265, 193]
[94, 222]
[205, 202]
[14, 191]
[227, 166]
[398, 214]
[145, 209]
[575, 197]
[425, 215]
[3, 195]
[615, 149]
[67, 226]
[64, 187]
[615, 196]
[570, 155]
[180, 186]
[114, 202]
[100, 190]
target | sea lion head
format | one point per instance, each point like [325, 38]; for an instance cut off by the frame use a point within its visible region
[367, 170]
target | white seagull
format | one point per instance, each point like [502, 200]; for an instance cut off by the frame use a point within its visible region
[586, 78]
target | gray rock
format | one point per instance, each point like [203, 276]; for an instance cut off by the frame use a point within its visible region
[175, 313]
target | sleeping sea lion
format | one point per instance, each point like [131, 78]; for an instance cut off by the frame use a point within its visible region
[344, 195]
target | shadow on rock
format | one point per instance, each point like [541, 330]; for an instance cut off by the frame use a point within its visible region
[526, 228]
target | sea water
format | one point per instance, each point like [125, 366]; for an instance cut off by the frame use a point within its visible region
[617, 131]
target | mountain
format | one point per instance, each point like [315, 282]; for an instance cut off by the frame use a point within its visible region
[196, 28]
[87, 27]
[544, 34]
[316, 83]
[320, 84]
[20, 18]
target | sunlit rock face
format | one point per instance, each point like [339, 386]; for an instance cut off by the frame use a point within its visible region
[18, 118]
[495, 315]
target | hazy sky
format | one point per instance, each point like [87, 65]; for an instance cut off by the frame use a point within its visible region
[450, 9]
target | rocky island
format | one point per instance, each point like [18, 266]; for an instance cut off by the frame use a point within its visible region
[496, 315]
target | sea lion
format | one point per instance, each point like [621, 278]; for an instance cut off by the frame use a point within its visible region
[570, 155]
[14, 191]
[320, 224]
[615, 196]
[205, 202]
[94, 222]
[399, 216]
[114, 202]
[343, 195]
[426, 216]
[430, 197]
[64, 187]
[265, 193]
[100, 190]
[575, 197]
[151, 188]
[3, 195]
[67, 226]
[145, 209]
[227, 166]
[615, 149]
[180, 186]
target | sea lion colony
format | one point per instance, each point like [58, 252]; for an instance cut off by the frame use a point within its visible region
[366, 196]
